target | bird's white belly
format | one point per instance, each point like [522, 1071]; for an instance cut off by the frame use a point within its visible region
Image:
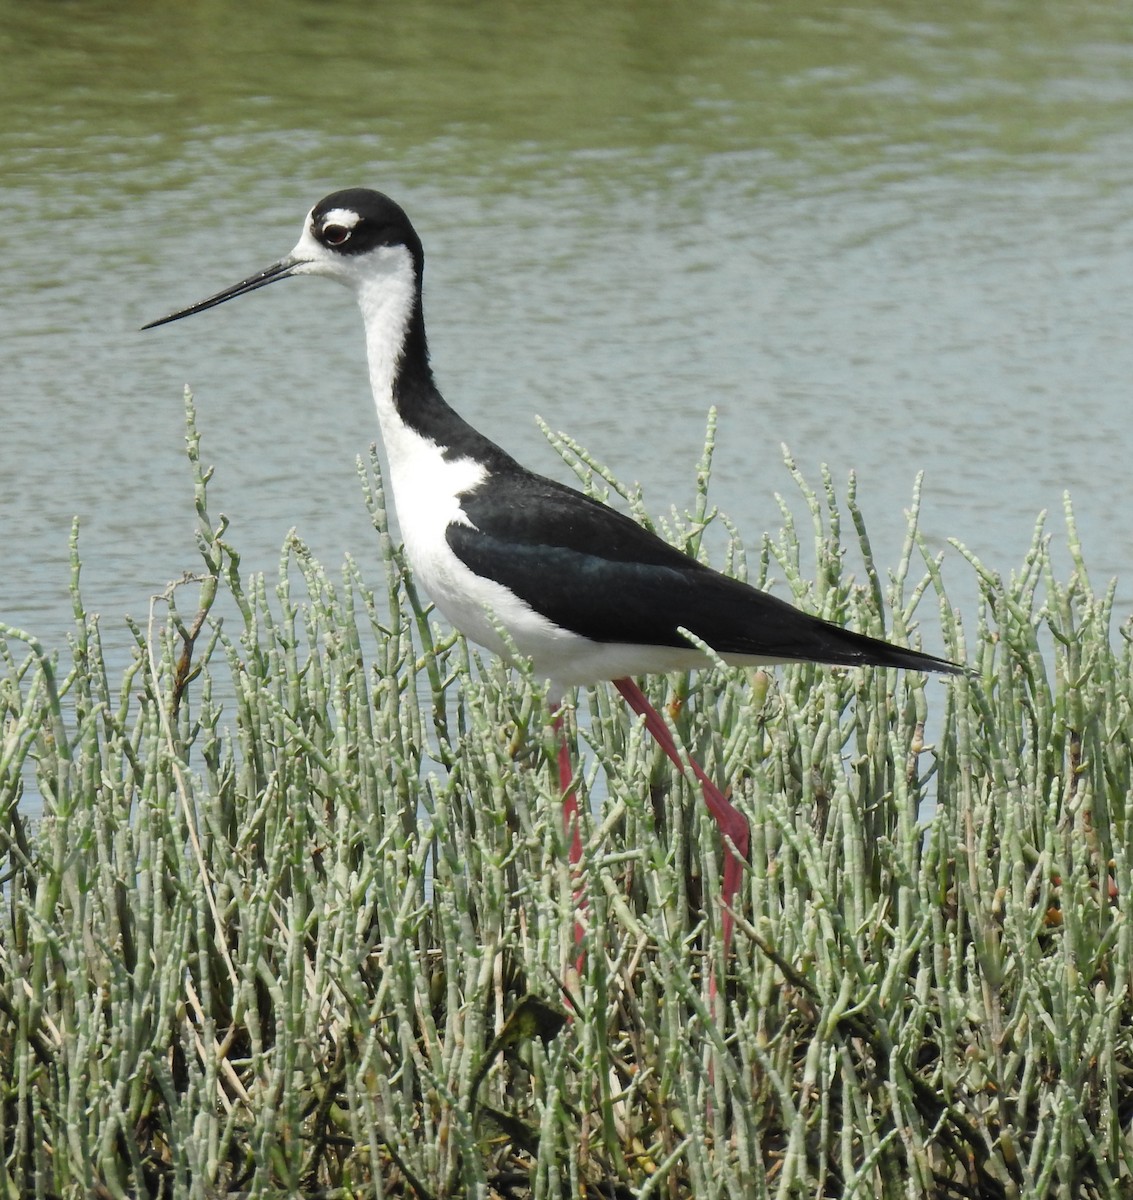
[479, 608]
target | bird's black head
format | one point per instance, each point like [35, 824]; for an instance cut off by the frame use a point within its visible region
[358, 220]
[355, 236]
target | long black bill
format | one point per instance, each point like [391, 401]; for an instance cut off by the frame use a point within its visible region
[279, 270]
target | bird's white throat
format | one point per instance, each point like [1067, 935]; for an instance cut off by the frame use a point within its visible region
[386, 298]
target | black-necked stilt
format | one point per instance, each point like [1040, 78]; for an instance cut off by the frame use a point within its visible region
[582, 590]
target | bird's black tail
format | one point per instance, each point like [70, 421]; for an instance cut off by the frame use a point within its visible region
[839, 647]
[740, 621]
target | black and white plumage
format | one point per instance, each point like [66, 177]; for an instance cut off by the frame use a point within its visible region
[582, 590]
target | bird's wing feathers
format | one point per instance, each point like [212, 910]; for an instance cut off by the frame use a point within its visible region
[595, 572]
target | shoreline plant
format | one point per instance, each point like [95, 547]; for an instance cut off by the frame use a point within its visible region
[296, 919]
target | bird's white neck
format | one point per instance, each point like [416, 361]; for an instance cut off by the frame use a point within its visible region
[410, 408]
[387, 302]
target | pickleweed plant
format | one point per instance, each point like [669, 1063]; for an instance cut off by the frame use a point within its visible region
[286, 910]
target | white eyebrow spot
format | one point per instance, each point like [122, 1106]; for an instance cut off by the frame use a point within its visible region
[346, 217]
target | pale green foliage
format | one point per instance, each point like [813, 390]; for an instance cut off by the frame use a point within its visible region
[299, 866]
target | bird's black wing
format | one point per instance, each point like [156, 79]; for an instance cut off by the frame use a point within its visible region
[592, 570]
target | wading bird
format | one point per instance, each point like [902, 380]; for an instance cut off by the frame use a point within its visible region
[582, 590]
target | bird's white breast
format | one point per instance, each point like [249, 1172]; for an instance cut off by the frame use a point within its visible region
[426, 493]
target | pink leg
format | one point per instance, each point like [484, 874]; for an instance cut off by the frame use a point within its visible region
[729, 820]
[571, 826]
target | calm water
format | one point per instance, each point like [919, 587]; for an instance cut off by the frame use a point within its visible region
[892, 243]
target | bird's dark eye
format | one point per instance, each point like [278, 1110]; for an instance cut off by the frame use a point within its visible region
[335, 235]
